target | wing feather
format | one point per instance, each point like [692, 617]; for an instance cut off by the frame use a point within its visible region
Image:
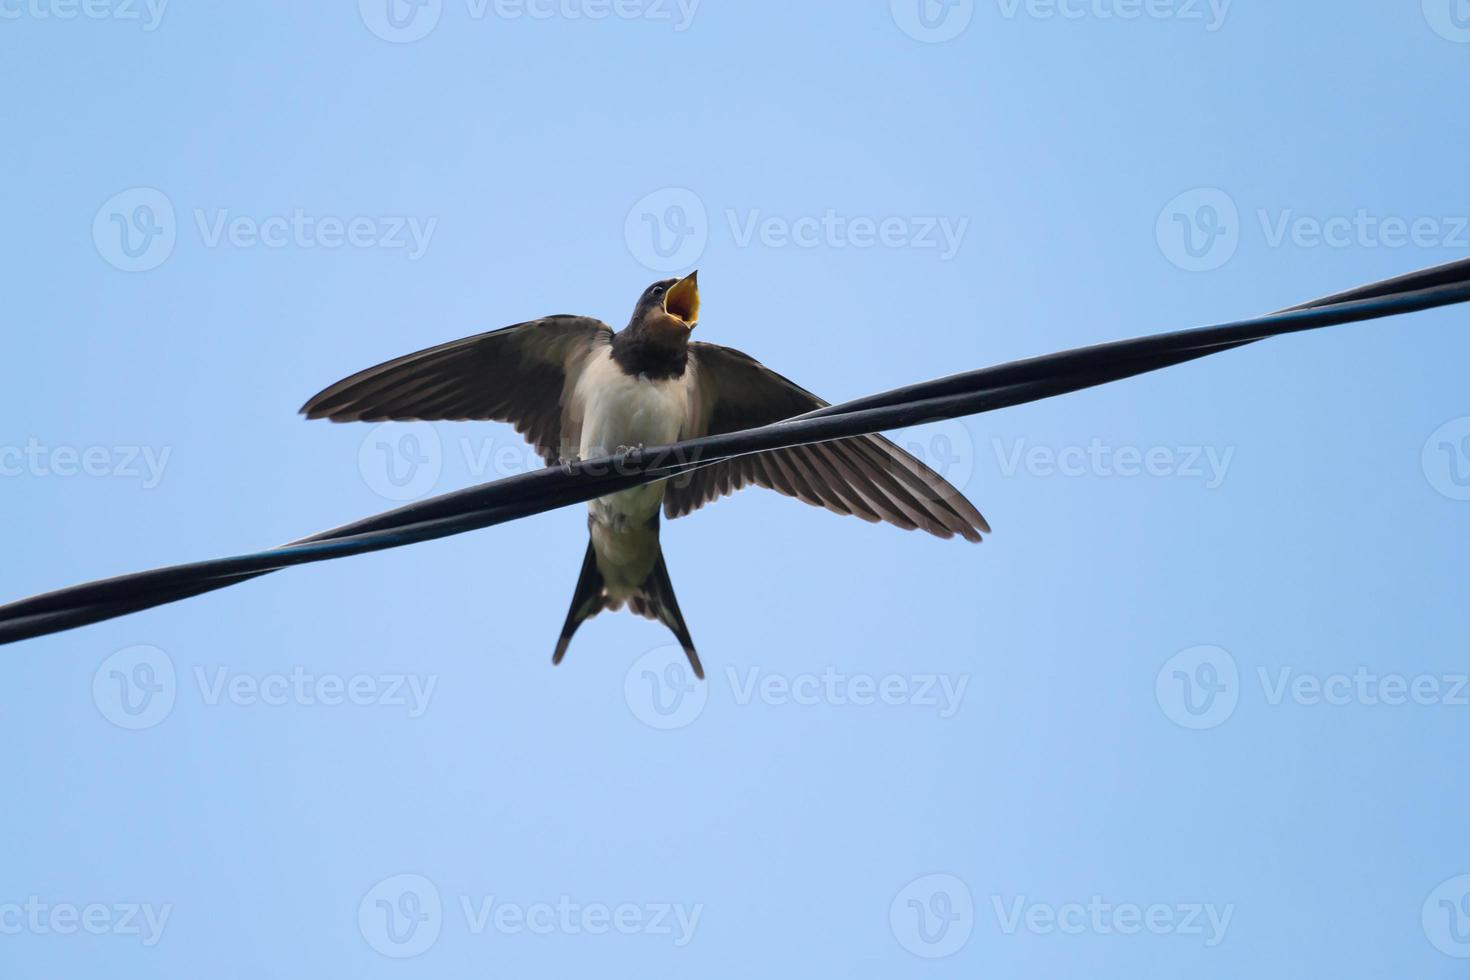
[865, 476]
[523, 374]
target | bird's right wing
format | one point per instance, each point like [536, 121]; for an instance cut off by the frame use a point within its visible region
[867, 476]
[521, 374]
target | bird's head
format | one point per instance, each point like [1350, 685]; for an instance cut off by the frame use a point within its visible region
[669, 309]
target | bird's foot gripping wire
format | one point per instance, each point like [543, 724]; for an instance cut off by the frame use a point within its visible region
[629, 457]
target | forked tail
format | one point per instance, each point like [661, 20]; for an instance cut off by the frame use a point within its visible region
[654, 599]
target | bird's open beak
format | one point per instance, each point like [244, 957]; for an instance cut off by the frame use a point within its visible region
[682, 299]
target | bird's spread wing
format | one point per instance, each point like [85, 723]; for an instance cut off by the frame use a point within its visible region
[866, 475]
[521, 374]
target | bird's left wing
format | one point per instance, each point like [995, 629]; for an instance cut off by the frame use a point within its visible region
[521, 374]
[867, 476]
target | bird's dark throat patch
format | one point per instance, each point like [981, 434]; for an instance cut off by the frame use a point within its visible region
[641, 349]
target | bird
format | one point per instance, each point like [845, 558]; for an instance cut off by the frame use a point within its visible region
[579, 390]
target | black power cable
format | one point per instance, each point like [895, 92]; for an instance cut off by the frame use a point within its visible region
[519, 496]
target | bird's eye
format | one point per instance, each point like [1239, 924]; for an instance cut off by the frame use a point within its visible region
[658, 290]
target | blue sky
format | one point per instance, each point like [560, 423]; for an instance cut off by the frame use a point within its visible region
[1192, 710]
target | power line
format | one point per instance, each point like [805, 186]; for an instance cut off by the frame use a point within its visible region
[970, 393]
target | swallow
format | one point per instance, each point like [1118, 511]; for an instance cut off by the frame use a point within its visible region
[578, 390]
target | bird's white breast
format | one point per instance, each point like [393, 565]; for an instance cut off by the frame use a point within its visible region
[620, 410]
